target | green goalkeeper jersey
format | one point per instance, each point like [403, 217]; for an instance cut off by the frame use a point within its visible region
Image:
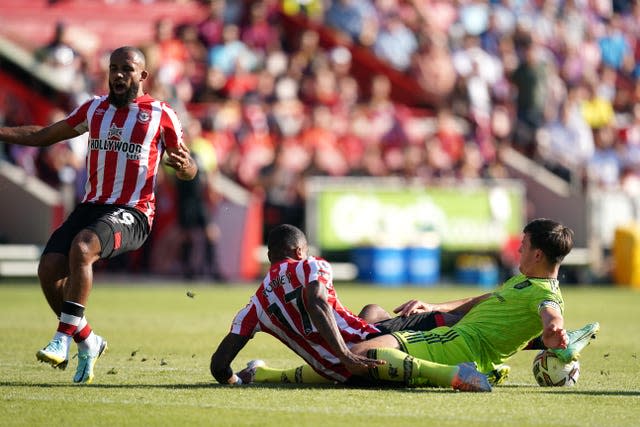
[504, 323]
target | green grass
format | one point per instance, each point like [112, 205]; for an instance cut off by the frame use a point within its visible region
[156, 371]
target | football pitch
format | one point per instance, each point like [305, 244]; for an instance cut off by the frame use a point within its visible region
[161, 336]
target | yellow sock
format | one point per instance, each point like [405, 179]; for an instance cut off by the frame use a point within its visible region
[401, 367]
[301, 375]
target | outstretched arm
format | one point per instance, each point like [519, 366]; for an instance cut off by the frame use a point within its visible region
[38, 136]
[461, 306]
[321, 314]
[553, 333]
[221, 360]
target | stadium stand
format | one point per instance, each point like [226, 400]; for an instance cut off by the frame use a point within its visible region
[104, 24]
[490, 91]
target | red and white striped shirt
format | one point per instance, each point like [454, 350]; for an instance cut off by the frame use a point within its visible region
[277, 308]
[125, 149]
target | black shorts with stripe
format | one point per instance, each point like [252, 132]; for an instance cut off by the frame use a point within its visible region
[415, 322]
[119, 228]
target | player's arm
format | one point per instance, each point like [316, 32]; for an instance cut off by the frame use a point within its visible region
[38, 136]
[321, 314]
[461, 306]
[179, 158]
[553, 333]
[221, 360]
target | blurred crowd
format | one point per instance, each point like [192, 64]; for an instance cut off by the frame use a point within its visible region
[557, 80]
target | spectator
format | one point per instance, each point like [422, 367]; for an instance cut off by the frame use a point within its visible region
[490, 38]
[319, 135]
[474, 17]
[241, 82]
[288, 111]
[225, 127]
[604, 168]
[260, 35]
[433, 69]
[231, 51]
[301, 60]
[341, 61]
[282, 184]
[395, 43]
[565, 143]
[325, 87]
[380, 109]
[257, 143]
[210, 29]
[597, 111]
[436, 17]
[352, 18]
[171, 53]
[196, 54]
[614, 47]
[63, 59]
[449, 136]
[481, 72]
[529, 82]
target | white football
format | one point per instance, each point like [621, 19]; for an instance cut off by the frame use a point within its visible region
[549, 371]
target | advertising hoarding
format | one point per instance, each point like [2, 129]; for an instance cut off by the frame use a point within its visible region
[351, 212]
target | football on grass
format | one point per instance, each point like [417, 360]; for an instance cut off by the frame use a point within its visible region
[549, 371]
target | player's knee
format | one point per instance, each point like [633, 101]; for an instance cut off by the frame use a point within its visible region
[85, 248]
[373, 313]
[219, 370]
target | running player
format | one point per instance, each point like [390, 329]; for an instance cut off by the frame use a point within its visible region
[128, 133]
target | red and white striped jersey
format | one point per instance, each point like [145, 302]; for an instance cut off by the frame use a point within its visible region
[277, 308]
[125, 149]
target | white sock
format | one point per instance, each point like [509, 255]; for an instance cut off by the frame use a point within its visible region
[64, 338]
[88, 343]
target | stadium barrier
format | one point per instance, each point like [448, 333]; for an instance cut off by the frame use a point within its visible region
[32, 209]
[397, 266]
[19, 260]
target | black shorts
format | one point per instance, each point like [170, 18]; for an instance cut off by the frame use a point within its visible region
[120, 229]
[415, 322]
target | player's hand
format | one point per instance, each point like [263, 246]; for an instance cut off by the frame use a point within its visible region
[359, 365]
[555, 337]
[179, 160]
[412, 307]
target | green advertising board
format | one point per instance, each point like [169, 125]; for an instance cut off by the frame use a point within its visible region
[343, 214]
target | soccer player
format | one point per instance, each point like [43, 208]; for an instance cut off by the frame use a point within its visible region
[495, 325]
[128, 133]
[297, 304]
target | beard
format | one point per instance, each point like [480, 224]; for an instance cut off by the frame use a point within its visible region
[125, 98]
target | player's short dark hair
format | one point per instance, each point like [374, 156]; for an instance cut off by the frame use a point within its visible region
[283, 240]
[552, 238]
[137, 52]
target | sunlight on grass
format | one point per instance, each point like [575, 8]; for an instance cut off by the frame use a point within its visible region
[156, 371]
